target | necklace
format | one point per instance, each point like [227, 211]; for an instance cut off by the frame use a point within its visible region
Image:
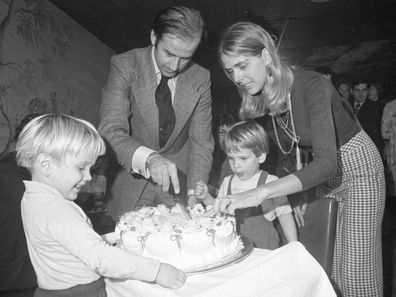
[289, 131]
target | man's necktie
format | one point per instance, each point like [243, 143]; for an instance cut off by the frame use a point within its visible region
[357, 107]
[163, 98]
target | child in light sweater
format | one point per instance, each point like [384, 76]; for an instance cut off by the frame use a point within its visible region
[246, 145]
[68, 256]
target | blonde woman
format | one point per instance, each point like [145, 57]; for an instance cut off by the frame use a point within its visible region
[307, 110]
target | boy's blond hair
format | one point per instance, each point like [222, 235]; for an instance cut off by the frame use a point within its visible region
[246, 135]
[59, 136]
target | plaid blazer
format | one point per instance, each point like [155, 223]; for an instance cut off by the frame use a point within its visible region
[129, 119]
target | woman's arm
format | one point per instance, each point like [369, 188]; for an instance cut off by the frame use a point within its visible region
[281, 187]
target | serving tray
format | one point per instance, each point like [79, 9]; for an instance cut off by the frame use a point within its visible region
[227, 261]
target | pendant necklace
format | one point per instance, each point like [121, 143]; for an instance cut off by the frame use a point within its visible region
[289, 131]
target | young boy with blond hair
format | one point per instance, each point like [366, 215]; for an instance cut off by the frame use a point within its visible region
[246, 145]
[68, 256]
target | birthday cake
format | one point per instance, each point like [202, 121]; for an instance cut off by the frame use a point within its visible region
[167, 235]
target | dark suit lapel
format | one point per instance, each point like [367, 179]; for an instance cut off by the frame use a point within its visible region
[364, 110]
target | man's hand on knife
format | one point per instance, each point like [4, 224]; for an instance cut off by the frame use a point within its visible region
[163, 172]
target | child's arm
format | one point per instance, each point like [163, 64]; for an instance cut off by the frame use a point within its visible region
[73, 231]
[201, 192]
[288, 226]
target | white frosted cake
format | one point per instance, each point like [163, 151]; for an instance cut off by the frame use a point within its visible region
[165, 234]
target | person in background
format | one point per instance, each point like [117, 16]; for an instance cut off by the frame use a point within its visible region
[226, 120]
[68, 256]
[375, 93]
[368, 112]
[16, 270]
[221, 167]
[156, 114]
[346, 164]
[246, 145]
[344, 89]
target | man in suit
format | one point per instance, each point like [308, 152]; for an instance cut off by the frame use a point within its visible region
[156, 144]
[369, 113]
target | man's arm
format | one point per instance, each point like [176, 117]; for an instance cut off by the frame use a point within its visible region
[115, 113]
[115, 128]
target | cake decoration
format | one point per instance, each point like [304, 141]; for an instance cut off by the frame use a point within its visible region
[165, 234]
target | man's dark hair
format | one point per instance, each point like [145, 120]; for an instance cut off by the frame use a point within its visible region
[181, 21]
[360, 81]
[343, 82]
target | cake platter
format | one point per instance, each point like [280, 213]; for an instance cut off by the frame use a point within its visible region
[227, 261]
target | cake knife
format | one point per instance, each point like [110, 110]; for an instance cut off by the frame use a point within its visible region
[183, 208]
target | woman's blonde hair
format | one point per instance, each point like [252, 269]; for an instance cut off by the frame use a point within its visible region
[249, 39]
[246, 135]
[59, 136]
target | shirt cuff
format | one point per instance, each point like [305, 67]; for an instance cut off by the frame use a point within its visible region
[283, 209]
[149, 271]
[139, 159]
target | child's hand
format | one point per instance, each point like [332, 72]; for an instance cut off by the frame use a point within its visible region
[191, 201]
[170, 277]
[201, 190]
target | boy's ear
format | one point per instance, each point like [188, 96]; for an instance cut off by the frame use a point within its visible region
[262, 158]
[44, 164]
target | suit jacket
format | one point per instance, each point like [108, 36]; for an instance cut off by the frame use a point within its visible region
[129, 119]
[369, 116]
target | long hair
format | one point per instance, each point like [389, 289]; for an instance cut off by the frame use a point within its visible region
[249, 39]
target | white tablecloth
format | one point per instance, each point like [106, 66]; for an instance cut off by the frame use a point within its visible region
[286, 271]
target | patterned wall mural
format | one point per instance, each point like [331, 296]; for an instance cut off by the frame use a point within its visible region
[48, 63]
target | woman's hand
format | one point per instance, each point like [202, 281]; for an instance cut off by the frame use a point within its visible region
[246, 199]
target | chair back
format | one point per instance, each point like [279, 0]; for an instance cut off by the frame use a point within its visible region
[318, 233]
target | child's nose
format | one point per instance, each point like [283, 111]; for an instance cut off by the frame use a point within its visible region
[87, 175]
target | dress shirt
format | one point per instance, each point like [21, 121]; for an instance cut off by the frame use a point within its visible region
[357, 106]
[239, 186]
[65, 250]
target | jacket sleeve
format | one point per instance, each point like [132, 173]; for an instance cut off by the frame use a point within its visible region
[116, 111]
